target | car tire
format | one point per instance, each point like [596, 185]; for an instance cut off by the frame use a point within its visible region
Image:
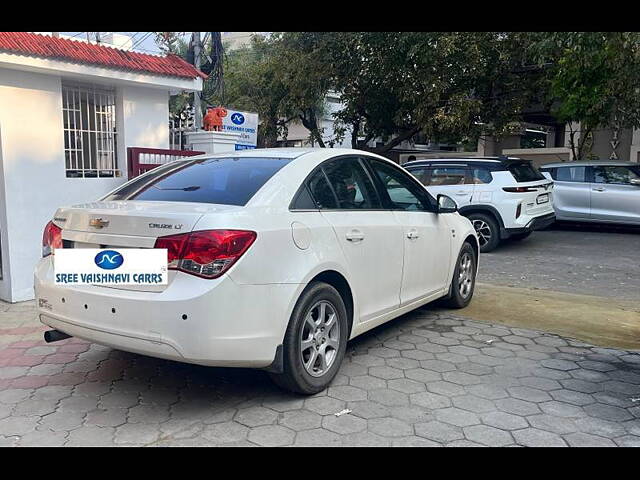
[519, 236]
[487, 229]
[311, 338]
[460, 294]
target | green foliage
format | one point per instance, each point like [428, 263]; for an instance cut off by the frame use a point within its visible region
[444, 84]
[448, 86]
[592, 78]
[170, 42]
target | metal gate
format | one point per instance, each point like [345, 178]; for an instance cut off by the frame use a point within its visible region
[140, 159]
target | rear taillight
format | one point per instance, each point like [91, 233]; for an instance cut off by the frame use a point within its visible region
[207, 253]
[51, 239]
[520, 189]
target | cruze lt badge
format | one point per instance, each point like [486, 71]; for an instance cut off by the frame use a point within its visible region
[166, 225]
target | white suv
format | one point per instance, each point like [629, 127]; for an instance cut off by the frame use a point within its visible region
[503, 197]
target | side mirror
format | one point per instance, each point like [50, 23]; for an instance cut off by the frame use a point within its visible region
[446, 204]
[635, 181]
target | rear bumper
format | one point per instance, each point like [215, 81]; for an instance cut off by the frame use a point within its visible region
[206, 322]
[537, 223]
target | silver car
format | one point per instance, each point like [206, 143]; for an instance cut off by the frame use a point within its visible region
[596, 191]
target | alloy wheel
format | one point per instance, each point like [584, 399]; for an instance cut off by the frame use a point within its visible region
[465, 275]
[320, 338]
[483, 230]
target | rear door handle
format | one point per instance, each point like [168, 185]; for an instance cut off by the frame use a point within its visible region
[598, 189]
[355, 236]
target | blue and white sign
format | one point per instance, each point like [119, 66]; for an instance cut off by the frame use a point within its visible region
[244, 123]
[109, 259]
[122, 266]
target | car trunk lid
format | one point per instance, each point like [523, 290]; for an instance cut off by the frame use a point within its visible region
[130, 224]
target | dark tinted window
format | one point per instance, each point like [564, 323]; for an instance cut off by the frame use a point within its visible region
[448, 176]
[351, 184]
[139, 182]
[304, 201]
[321, 191]
[524, 172]
[570, 174]
[613, 174]
[402, 192]
[480, 175]
[227, 181]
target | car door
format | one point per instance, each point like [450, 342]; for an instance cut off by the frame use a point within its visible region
[368, 235]
[571, 193]
[426, 235]
[614, 197]
[452, 180]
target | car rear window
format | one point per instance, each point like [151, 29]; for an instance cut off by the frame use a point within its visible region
[226, 181]
[524, 172]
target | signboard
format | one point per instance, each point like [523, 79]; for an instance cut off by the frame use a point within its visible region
[124, 266]
[244, 123]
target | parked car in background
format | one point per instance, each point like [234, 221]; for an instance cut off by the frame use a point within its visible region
[276, 258]
[503, 197]
[596, 191]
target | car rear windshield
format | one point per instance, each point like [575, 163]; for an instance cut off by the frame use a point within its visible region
[524, 172]
[226, 181]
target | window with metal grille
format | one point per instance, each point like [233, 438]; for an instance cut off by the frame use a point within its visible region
[90, 131]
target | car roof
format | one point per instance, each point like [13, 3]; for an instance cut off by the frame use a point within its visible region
[590, 163]
[491, 163]
[286, 152]
[474, 159]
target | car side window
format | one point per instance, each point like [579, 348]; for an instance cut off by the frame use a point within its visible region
[321, 191]
[614, 174]
[480, 175]
[570, 174]
[421, 173]
[351, 186]
[441, 176]
[402, 192]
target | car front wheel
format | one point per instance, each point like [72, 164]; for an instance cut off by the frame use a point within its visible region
[464, 278]
[315, 341]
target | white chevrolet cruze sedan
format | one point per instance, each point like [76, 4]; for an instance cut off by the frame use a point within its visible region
[276, 258]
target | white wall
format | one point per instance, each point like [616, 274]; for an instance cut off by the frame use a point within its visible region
[33, 168]
[143, 114]
[4, 239]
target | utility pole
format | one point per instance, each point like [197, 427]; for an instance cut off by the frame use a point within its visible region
[197, 104]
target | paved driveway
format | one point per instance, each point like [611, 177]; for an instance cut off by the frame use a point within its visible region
[428, 378]
[573, 258]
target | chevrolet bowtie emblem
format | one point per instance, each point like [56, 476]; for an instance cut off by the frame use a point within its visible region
[98, 223]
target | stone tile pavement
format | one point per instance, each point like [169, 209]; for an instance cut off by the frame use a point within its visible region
[428, 378]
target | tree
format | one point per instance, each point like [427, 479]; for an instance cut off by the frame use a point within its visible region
[170, 42]
[591, 78]
[451, 85]
[304, 73]
[253, 83]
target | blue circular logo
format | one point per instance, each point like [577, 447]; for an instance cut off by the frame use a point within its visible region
[237, 118]
[108, 259]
